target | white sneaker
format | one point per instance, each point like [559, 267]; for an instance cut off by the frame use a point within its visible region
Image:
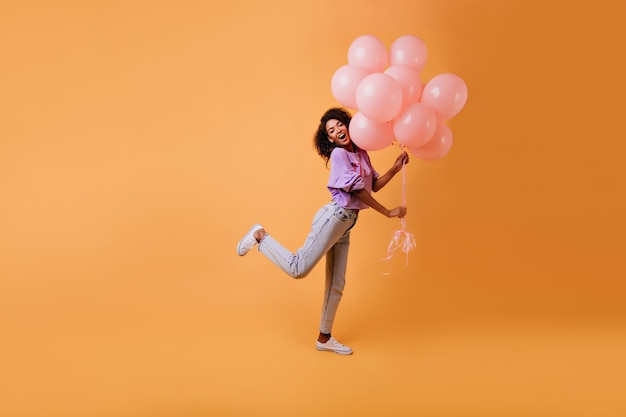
[248, 241]
[333, 346]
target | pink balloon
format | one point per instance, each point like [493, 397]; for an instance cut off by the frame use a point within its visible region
[410, 82]
[368, 52]
[379, 97]
[446, 94]
[415, 126]
[409, 50]
[345, 82]
[370, 135]
[437, 147]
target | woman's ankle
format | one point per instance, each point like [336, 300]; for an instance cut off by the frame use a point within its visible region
[323, 337]
[259, 234]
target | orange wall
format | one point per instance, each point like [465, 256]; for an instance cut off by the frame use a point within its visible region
[140, 139]
[143, 137]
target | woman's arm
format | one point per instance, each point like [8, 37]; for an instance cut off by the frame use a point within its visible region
[381, 181]
[364, 196]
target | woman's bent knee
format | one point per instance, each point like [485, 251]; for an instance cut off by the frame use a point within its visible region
[299, 274]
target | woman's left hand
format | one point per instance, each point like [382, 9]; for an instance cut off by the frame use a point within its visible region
[402, 159]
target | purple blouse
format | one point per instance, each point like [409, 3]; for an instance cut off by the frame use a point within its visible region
[350, 171]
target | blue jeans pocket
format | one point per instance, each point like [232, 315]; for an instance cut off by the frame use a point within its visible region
[342, 214]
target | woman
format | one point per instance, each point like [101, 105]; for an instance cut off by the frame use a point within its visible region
[352, 180]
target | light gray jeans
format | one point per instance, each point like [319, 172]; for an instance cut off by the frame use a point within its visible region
[330, 236]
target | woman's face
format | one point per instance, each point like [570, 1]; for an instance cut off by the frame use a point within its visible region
[338, 133]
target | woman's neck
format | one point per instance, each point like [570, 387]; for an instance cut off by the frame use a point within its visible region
[350, 148]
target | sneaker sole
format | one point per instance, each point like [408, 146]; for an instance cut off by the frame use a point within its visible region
[334, 351]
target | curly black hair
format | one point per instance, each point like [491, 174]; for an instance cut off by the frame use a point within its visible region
[323, 146]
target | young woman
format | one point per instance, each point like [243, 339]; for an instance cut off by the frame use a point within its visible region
[352, 180]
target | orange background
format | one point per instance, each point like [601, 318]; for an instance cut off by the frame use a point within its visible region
[140, 139]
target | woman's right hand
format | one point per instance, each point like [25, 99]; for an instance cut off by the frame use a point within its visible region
[397, 212]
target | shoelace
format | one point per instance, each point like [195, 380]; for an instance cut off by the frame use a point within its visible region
[332, 341]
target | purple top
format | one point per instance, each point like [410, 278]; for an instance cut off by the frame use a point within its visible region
[350, 171]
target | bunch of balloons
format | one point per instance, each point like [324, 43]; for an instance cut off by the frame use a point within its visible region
[392, 102]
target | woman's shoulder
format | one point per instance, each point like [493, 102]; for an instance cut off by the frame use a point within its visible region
[339, 152]
[342, 151]
[362, 152]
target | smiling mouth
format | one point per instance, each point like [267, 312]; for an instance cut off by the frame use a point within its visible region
[341, 136]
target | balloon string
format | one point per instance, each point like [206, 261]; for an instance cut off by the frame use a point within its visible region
[401, 239]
